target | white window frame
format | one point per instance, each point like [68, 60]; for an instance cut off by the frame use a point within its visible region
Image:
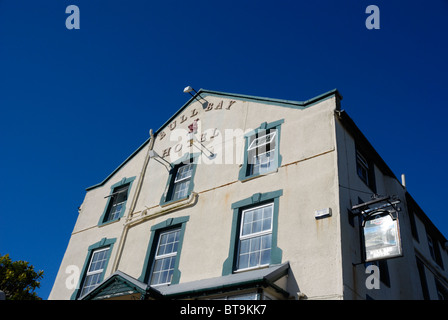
[256, 150]
[178, 181]
[114, 213]
[184, 167]
[164, 256]
[91, 273]
[270, 162]
[254, 144]
[254, 235]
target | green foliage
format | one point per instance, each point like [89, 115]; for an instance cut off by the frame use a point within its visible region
[18, 280]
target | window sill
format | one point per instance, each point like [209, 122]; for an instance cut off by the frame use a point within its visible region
[177, 202]
[264, 266]
[254, 176]
[109, 222]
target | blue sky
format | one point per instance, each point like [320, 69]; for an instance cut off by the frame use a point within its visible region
[76, 103]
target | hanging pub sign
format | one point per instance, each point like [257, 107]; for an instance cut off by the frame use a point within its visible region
[380, 228]
[381, 237]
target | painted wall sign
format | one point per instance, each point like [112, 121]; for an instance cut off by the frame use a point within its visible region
[193, 114]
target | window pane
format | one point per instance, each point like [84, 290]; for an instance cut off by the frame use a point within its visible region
[248, 296]
[255, 244]
[181, 189]
[254, 258]
[166, 257]
[115, 211]
[168, 242]
[266, 242]
[265, 257]
[184, 172]
[95, 270]
[163, 270]
[90, 283]
[255, 251]
[122, 193]
[98, 260]
[244, 247]
[263, 162]
[257, 220]
[264, 139]
[243, 261]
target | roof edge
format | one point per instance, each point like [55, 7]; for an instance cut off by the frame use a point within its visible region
[271, 100]
[119, 167]
[287, 103]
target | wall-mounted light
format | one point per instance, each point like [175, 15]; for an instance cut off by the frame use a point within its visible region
[189, 89]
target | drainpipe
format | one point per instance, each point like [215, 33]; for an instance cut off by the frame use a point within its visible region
[124, 232]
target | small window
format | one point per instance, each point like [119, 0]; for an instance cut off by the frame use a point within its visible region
[423, 281]
[365, 170]
[165, 258]
[261, 152]
[182, 181]
[431, 248]
[434, 251]
[95, 270]
[362, 167]
[255, 241]
[117, 201]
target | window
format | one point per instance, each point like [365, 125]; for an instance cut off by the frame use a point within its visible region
[165, 258]
[365, 170]
[244, 296]
[182, 181]
[431, 247]
[413, 210]
[423, 281]
[95, 265]
[434, 250]
[255, 237]
[117, 202]
[262, 154]
[161, 264]
[362, 167]
[95, 270]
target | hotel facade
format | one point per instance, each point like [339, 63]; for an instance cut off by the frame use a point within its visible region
[243, 197]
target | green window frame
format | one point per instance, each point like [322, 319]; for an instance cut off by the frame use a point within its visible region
[261, 149]
[239, 207]
[104, 243]
[118, 209]
[178, 177]
[171, 224]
